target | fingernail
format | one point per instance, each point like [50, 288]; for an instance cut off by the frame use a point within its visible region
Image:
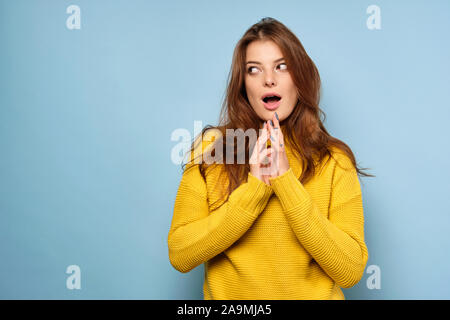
[271, 123]
[276, 116]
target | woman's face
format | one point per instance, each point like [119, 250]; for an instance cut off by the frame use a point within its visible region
[266, 72]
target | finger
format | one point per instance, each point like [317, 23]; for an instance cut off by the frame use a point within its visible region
[271, 133]
[281, 141]
[270, 170]
[278, 135]
[265, 152]
[276, 144]
[265, 156]
[276, 120]
[263, 138]
[259, 146]
[274, 156]
[275, 138]
[262, 150]
[278, 131]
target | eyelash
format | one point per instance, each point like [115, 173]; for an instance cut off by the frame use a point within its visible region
[250, 68]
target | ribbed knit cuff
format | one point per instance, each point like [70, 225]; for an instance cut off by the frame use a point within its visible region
[256, 195]
[289, 190]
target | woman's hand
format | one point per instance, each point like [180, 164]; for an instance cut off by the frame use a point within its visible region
[280, 160]
[266, 163]
[261, 157]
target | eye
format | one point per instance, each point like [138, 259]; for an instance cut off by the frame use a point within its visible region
[285, 66]
[249, 70]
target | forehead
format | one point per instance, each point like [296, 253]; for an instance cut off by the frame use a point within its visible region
[263, 51]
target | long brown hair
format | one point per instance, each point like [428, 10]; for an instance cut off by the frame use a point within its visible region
[303, 130]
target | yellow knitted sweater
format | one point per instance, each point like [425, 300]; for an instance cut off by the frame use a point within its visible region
[280, 241]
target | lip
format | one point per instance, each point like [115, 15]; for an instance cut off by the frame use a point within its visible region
[273, 107]
[270, 94]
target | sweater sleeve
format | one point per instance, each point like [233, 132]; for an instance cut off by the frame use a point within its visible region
[337, 242]
[196, 235]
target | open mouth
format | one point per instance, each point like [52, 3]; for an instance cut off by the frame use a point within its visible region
[271, 99]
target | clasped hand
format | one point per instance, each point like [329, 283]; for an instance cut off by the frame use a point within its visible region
[266, 163]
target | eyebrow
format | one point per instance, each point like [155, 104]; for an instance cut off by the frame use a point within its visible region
[257, 62]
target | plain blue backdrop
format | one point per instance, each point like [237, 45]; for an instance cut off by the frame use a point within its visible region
[86, 117]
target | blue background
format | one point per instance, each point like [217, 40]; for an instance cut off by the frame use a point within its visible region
[86, 118]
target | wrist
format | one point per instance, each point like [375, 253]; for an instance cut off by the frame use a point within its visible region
[282, 171]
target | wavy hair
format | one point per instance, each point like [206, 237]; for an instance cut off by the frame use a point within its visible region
[303, 130]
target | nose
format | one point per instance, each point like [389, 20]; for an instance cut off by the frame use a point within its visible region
[269, 80]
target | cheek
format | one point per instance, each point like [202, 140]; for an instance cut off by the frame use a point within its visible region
[251, 92]
[292, 91]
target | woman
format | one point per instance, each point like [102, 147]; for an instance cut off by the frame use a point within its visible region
[288, 223]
